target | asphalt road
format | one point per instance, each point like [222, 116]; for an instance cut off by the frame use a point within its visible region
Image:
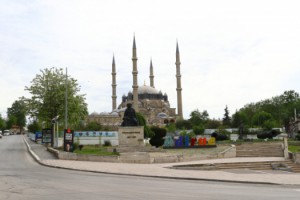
[22, 178]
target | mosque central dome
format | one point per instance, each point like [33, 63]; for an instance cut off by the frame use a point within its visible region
[147, 90]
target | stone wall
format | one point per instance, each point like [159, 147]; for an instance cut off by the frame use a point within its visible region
[62, 155]
[143, 157]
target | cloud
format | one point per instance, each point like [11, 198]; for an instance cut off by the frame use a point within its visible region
[232, 52]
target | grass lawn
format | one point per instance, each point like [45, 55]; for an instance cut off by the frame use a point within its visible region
[294, 149]
[95, 150]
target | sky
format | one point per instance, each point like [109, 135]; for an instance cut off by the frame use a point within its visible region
[232, 52]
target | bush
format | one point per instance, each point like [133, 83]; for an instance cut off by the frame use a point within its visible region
[198, 130]
[107, 143]
[267, 134]
[158, 139]
[148, 133]
[183, 124]
[298, 137]
[75, 146]
[219, 136]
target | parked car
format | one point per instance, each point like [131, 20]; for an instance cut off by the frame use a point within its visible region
[0, 135]
[6, 133]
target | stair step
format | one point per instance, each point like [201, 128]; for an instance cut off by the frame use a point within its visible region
[261, 166]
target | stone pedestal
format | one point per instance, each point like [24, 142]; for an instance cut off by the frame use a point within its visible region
[285, 145]
[131, 136]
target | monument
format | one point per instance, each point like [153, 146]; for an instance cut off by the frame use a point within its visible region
[130, 134]
[129, 118]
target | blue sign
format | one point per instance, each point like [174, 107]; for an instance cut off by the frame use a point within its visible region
[38, 135]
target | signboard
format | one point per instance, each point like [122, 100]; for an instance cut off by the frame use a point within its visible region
[95, 133]
[38, 136]
[47, 135]
[68, 140]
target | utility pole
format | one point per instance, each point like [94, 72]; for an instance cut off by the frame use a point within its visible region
[66, 100]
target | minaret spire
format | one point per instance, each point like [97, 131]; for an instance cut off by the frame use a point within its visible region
[151, 75]
[135, 78]
[178, 77]
[114, 84]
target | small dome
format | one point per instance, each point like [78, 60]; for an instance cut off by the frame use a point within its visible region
[162, 115]
[104, 113]
[114, 113]
[147, 89]
[94, 113]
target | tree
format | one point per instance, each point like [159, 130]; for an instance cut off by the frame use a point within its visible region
[197, 118]
[281, 108]
[183, 124]
[238, 118]
[261, 117]
[198, 129]
[141, 119]
[2, 123]
[148, 133]
[12, 120]
[17, 114]
[34, 127]
[213, 124]
[226, 119]
[93, 126]
[48, 91]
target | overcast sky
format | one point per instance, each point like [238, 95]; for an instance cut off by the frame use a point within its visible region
[232, 52]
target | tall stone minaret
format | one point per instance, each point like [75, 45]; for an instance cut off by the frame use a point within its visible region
[114, 85]
[179, 89]
[135, 78]
[151, 75]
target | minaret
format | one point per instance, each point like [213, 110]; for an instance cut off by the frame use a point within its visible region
[179, 89]
[135, 78]
[151, 75]
[114, 85]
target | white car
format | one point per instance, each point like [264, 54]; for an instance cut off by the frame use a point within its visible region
[6, 133]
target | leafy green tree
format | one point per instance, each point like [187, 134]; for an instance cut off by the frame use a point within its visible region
[141, 119]
[198, 118]
[238, 118]
[34, 127]
[148, 133]
[2, 123]
[198, 130]
[47, 100]
[183, 124]
[93, 126]
[261, 117]
[213, 124]
[12, 120]
[226, 118]
[17, 114]
[269, 124]
[171, 128]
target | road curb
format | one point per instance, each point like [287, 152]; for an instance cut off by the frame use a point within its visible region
[36, 157]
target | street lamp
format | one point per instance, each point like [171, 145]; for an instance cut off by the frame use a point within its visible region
[55, 133]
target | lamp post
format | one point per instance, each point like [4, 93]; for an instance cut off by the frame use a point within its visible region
[55, 133]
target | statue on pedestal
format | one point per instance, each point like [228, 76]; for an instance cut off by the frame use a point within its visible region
[129, 118]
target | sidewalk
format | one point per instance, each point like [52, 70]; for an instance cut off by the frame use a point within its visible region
[44, 157]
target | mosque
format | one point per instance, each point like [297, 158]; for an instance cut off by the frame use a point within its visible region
[147, 100]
